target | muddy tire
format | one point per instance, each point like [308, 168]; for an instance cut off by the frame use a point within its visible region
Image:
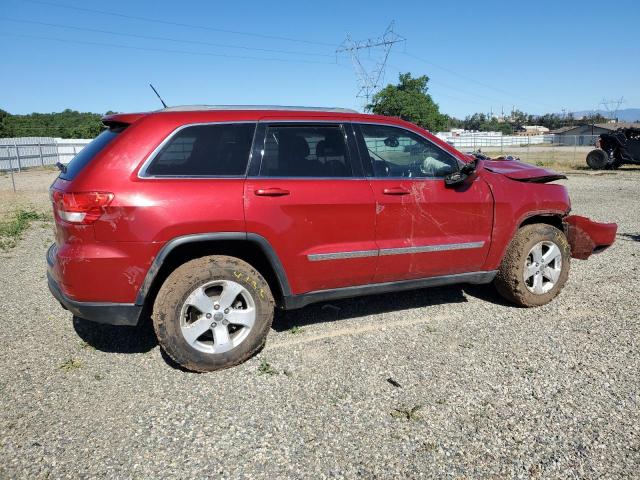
[212, 313]
[535, 266]
[597, 159]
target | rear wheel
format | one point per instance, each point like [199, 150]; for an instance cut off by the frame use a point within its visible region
[212, 313]
[597, 159]
[535, 267]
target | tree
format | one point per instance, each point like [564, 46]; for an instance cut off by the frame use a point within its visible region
[66, 124]
[519, 119]
[475, 121]
[410, 101]
[3, 115]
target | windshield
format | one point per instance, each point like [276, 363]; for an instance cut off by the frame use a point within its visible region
[85, 155]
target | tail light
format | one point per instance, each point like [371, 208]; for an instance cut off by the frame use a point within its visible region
[82, 208]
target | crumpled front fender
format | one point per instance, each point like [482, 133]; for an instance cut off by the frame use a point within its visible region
[587, 237]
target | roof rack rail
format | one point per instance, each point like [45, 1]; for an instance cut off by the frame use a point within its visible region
[190, 108]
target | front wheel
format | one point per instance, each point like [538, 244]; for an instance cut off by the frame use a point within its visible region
[212, 313]
[535, 267]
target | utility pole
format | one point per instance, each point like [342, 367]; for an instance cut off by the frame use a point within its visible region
[369, 79]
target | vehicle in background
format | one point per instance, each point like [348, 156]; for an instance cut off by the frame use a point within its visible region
[615, 149]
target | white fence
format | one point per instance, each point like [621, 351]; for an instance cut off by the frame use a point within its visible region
[475, 141]
[27, 152]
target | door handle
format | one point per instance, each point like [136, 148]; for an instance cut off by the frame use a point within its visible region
[395, 191]
[271, 192]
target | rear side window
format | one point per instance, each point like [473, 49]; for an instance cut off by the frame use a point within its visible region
[88, 153]
[305, 151]
[205, 150]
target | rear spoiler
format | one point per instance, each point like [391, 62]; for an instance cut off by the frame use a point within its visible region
[121, 120]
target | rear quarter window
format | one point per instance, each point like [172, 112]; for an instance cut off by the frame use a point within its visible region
[88, 153]
[219, 150]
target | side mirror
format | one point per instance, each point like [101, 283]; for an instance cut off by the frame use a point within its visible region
[458, 178]
[392, 141]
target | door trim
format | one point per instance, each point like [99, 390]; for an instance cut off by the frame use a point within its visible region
[317, 257]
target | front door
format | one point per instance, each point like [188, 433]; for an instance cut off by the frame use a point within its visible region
[423, 229]
[306, 194]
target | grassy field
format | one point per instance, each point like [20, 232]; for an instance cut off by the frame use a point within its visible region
[560, 158]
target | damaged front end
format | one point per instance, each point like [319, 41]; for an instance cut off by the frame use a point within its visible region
[587, 237]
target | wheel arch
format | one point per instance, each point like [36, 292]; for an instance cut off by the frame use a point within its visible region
[499, 247]
[552, 218]
[250, 247]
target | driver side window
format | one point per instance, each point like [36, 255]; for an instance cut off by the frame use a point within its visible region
[396, 152]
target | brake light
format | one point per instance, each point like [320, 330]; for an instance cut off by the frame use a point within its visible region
[80, 207]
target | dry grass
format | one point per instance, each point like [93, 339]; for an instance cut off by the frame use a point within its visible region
[32, 191]
[561, 159]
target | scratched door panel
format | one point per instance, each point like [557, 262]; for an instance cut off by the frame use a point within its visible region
[431, 230]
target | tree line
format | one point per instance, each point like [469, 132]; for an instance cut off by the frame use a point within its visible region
[65, 124]
[410, 100]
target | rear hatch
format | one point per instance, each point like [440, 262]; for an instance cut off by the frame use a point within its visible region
[76, 208]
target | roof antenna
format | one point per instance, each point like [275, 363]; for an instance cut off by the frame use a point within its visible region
[158, 95]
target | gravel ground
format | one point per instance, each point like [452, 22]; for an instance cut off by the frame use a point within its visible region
[498, 392]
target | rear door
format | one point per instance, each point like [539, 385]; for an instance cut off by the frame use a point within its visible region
[306, 194]
[423, 229]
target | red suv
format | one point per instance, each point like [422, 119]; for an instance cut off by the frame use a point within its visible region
[211, 216]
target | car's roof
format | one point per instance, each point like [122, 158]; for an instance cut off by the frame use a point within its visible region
[279, 108]
[174, 117]
[213, 113]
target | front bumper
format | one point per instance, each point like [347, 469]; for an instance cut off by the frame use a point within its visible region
[100, 312]
[587, 237]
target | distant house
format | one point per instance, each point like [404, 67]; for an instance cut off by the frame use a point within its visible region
[586, 134]
[529, 130]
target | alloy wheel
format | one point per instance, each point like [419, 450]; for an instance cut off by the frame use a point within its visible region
[542, 268]
[217, 316]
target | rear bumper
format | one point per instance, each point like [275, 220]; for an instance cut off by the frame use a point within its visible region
[100, 312]
[587, 237]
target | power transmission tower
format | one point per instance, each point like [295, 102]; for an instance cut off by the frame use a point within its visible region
[612, 106]
[378, 49]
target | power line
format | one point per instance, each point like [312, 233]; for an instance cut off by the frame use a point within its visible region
[471, 79]
[180, 24]
[149, 37]
[369, 79]
[164, 50]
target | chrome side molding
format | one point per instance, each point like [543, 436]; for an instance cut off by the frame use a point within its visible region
[317, 257]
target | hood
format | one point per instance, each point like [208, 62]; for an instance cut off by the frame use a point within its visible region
[521, 172]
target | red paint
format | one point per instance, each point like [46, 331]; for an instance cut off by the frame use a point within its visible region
[318, 216]
[516, 170]
[107, 260]
[587, 237]
[431, 214]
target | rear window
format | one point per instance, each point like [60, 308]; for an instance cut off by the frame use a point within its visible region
[205, 151]
[89, 152]
[305, 151]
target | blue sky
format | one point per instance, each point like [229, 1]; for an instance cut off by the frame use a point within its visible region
[538, 56]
